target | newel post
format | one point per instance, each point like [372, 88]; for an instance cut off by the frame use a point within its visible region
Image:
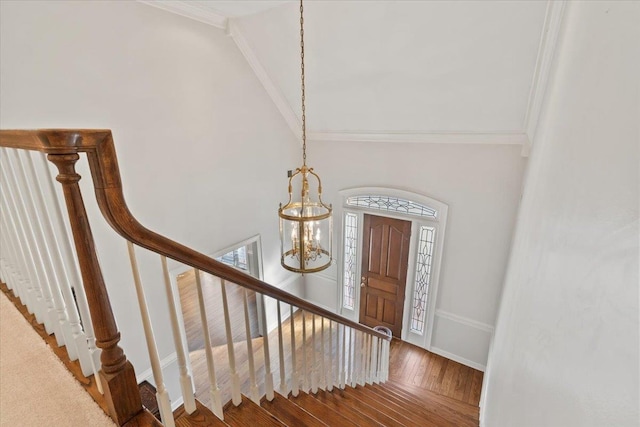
[117, 374]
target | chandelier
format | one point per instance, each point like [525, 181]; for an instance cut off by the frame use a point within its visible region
[306, 225]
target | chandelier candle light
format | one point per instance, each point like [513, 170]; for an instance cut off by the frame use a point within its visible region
[306, 226]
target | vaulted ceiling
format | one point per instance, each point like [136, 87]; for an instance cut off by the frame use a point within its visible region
[407, 71]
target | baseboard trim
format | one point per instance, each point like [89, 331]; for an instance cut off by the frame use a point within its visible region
[147, 375]
[458, 359]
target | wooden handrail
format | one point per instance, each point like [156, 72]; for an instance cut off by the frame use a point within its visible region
[100, 149]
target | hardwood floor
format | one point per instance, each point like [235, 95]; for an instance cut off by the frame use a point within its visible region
[409, 365]
[415, 366]
[212, 293]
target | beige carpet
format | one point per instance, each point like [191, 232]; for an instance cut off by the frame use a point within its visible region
[35, 387]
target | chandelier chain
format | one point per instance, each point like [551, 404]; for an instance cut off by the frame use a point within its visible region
[304, 118]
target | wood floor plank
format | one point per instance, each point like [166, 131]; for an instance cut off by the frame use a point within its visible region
[322, 411]
[201, 417]
[248, 414]
[354, 415]
[476, 387]
[290, 413]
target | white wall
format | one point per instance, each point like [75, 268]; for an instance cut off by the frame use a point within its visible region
[565, 351]
[203, 152]
[480, 184]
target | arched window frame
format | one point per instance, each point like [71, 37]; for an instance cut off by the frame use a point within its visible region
[437, 222]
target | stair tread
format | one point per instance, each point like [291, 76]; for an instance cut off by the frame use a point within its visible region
[248, 414]
[427, 410]
[290, 413]
[345, 398]
[437, 410]
[412, 392]
[320, 410]
[201, 417]
[406, 417]
[353, 414]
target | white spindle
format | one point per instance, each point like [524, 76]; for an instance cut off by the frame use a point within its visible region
[60, 288]
[295, 383]
[186, 384]
[10, 275]
[331, 379]
[365, 355]
[363, 359]
[268, 375]
[314, 368]
[369, 343]
[41, 254]
[323, 373]
[350, 359]
[14, 280]
[305, 371]
[214, 390]
[374, 360]
[162, 395]
[89, 354]
[236, 396]
[343, 358]
[253, 386]
[283, 380]
[385, 346]
[18, 217]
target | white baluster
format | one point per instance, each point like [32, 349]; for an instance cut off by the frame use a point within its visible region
[314, 368]
[360, 357]
[67, 318]
[385, 346]
[331, 379]
[295, 383]
[354, 356]
[374, 360]
[186, 384]
[14, 281]
[305, 371]
[343, 359]
[362, 372]
[323, 375]
[162, 395]
[253, 386]
[365, 355]
[368, 343]
[88, 353]
[268, 375]
[16, 212]
[236, 396]
[9, 274]
[283, 380]
[214, 391]
[41, 254]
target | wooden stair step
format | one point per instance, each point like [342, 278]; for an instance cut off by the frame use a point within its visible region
[396, 412]
[248, 414]
[424, 410]
[201, 417]
[353, 414]
[320, 410]
[345, 398]
[290, 413]
[420, 395]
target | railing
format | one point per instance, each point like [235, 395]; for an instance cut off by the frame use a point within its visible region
[347, 352]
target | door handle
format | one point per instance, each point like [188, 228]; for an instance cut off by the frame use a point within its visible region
[363, 282]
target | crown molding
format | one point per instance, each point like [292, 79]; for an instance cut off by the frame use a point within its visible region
[499, 138]
[190, 9]
[546, 53]
[272, 90]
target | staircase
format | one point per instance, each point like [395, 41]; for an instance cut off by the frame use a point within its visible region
[390, 404]
[329, 370]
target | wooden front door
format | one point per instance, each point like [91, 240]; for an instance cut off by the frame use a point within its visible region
[385, 253]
